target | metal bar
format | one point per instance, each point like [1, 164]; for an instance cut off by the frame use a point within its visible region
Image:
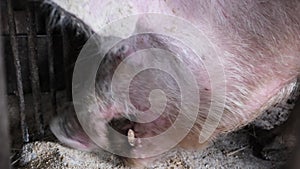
[34, 71]
[66, 52]
[19, 92]
[4, 141]
[52, 79]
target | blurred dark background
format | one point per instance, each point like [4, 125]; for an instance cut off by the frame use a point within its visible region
[38, 55]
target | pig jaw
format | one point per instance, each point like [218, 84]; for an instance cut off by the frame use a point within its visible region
[72, 134]
[76, 139]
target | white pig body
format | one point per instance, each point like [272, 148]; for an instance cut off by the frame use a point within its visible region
[257, 42]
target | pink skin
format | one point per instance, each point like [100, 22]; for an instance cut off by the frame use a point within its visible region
[258, 44]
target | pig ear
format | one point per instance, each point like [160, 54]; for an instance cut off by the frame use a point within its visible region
[69, 132]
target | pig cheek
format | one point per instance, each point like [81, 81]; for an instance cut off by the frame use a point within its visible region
[78, 140]
[75, 137]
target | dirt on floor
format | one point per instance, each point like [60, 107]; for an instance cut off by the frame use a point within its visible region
[229, 151]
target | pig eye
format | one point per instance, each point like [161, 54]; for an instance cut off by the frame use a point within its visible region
[123, 49]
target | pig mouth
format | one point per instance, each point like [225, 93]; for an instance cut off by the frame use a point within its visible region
[134, 131]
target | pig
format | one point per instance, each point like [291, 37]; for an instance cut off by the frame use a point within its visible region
[256, 46]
